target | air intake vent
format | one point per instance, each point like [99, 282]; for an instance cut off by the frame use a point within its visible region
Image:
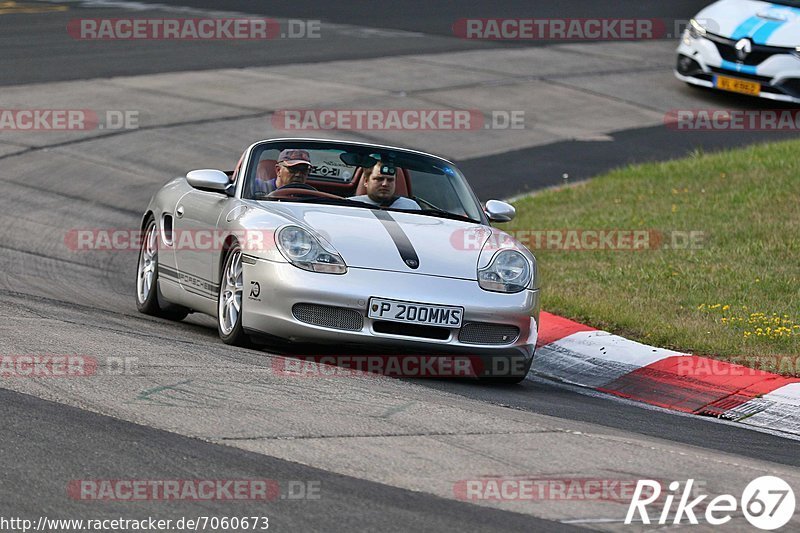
[328, 316]
[484, 333]
[792, 86]
[411, 330]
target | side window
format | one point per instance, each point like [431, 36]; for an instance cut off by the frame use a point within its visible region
[263, 171]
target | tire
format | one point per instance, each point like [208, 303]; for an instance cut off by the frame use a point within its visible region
[230, 298]
[148, 299]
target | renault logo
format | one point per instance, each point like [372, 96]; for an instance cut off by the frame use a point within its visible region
[743, 49]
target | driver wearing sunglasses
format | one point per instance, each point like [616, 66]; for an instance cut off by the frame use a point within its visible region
[291, 170]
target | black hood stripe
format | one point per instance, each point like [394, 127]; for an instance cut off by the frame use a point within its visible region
[404, 246]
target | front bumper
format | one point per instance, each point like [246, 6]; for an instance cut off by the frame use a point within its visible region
[271, 310]
[699, 61]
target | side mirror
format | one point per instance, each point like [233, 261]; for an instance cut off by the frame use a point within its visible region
[209, 180]
[498, 211]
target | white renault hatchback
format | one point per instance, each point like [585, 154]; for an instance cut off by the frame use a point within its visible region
[744, 46]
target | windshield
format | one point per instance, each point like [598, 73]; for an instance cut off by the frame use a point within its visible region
[362, 176]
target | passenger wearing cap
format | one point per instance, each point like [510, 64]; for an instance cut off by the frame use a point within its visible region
[291, 170]
[380, 190]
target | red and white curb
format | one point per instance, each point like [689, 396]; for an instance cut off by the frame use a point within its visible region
[573, 353]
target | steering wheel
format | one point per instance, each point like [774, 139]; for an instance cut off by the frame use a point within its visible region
[300, 192]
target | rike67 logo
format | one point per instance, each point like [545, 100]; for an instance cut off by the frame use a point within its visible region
[767, 502]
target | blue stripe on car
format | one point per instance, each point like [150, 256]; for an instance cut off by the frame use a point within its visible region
[760, 29]
[730, 65]
[744, 29]
[762, 34]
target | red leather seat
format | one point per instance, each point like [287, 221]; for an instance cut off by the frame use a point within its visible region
[402, 185]
[266, 169]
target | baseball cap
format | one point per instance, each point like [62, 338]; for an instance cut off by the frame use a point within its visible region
[292, 157]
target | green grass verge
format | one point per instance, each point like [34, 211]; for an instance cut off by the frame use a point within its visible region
[737, 294]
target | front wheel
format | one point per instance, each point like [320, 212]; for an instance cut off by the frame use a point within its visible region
[147, 298]
[229, 302]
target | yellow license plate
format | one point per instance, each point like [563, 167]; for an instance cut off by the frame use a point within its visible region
[736, 85]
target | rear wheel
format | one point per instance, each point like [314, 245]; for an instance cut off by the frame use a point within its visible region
[147, 297]
[229, 303]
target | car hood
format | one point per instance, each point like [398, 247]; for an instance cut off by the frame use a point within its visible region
[762, 22]
[393, 240]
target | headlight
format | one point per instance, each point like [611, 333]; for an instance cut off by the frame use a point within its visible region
[306, 251]
[796, 52]
[509, 271]
[695, 29]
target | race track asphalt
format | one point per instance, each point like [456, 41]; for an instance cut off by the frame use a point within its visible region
[386, 452]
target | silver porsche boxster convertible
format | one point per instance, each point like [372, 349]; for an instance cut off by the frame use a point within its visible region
[318, 260]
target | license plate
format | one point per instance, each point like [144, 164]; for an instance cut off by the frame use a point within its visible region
[416, 313]
[736, 85]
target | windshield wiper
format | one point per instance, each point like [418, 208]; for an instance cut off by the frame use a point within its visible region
[334, 201]
[445, 214]
[355, 203]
